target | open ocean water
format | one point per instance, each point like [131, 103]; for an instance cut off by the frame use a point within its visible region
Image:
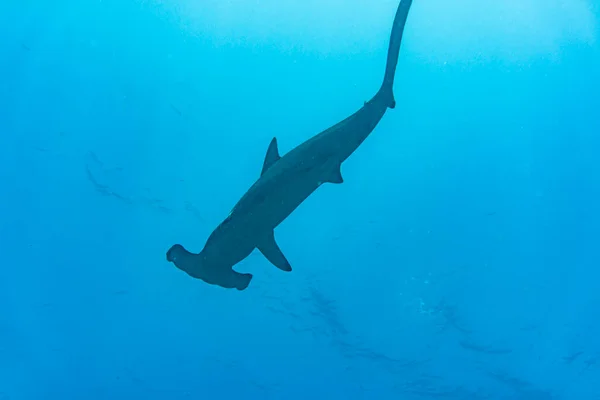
[459, 260]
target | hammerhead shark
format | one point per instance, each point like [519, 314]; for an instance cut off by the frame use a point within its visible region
[284, 183]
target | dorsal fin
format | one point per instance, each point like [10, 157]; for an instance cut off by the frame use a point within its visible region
[271, 157]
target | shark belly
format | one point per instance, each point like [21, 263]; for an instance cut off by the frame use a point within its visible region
[272, 202]
[288, 196]
[282, 188]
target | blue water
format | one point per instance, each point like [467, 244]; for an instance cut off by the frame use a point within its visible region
[459, 260]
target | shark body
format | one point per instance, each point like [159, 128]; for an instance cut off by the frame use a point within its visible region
[285, 182]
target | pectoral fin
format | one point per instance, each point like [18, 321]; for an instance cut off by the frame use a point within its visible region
[269, 248]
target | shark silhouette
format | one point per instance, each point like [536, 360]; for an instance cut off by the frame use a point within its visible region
[285, 182]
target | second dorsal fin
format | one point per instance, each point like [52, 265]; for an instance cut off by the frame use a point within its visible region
[271, 157]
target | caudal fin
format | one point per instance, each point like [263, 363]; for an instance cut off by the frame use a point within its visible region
[387, 87]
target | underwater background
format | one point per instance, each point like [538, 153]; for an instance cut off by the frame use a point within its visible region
[459, 260]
